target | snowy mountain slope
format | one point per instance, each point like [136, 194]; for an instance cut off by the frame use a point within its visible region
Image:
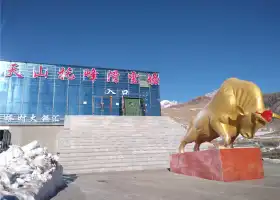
[211, 94]
[167, 104]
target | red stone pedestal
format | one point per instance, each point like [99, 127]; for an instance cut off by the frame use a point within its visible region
[220, 164]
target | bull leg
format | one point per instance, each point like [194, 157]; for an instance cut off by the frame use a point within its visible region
[221, 129]
[232, 140]
[196, 146]
[182, 146]
[188, 138]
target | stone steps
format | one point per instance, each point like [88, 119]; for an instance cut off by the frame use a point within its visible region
[116, 134]
[80, 155]
[109, 169]
[109, 155]
[114, 160]
[121, 163]
[92, 137]
[116, 147]
[106, 144]
[110, 147]
[92, 151]
[117, 143]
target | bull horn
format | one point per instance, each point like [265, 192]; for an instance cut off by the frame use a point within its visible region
[274, 115]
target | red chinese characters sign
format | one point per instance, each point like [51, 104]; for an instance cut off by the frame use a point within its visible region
[153, 79]
[66, 74]
[13, 70]
[90, 74]
[40, 73]
[133, 77]
[113, 76]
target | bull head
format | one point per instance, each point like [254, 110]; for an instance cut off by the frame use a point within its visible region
[250, 124]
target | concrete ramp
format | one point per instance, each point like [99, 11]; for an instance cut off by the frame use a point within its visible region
[117, 143]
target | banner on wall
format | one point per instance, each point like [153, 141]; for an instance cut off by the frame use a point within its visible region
[30, 119]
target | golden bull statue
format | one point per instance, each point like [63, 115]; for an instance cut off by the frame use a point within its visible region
[236, 108]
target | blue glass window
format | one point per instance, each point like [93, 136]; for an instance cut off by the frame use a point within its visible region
[80, 96]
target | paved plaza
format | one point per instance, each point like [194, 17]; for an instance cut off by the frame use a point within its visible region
[164, 185]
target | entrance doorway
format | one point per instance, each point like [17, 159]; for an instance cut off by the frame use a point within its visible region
[102, 105]
[133, 106]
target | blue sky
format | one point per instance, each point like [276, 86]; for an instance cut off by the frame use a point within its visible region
[195, 44]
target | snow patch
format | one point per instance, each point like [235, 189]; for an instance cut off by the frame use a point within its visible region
[211, 94]
[166, 103]
[29, 173]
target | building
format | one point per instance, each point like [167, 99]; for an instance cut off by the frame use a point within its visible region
[32, 93]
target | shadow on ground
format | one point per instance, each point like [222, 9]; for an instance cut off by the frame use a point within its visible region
[70, 190]
[9, 197]
[69, 178]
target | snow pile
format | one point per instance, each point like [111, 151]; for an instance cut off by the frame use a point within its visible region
[166, 103]
[29, 172]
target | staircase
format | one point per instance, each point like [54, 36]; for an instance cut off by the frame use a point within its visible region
[117, 143]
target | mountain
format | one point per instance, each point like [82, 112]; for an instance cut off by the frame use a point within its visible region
[185, 112]
[272, 101]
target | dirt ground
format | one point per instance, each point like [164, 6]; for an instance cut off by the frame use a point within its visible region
[165, 185]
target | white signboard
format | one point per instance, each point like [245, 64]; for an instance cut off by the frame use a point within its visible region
[22, 118]
[110, 91]
[124, 92]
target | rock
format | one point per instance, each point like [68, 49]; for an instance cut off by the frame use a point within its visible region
[6, 177]
[9, 155]
[32, 145]
[20, 181]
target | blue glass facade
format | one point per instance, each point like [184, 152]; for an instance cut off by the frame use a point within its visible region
[30, 97]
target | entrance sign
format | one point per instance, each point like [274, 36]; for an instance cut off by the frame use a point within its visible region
[41, 73]
[90, 74]
[110, 91]
[125, 92]
[133, 77]
[13, 70]
[153, 79]
[66, 74]
[113, 76]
